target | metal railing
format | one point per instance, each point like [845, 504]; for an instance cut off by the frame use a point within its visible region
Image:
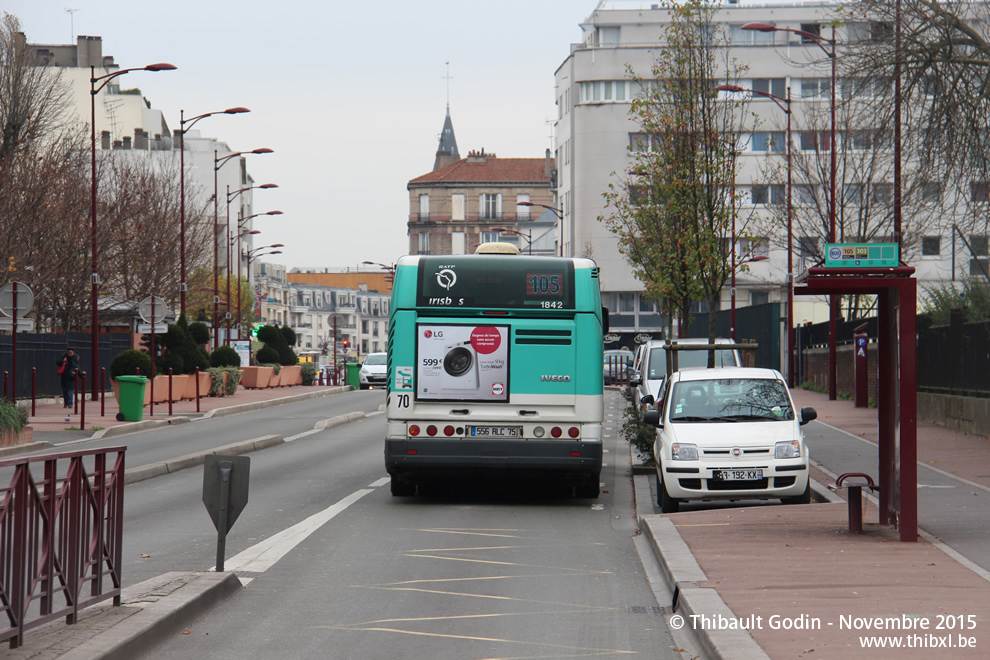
[61, 537]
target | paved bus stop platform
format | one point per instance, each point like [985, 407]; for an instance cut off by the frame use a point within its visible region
[792, 582]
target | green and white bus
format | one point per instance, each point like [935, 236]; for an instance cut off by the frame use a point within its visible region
[494, 370]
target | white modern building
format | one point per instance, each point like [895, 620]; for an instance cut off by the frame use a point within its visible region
[596, 137]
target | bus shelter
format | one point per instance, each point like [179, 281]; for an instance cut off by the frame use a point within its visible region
[897, 405]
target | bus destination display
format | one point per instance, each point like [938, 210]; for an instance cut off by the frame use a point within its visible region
[494, 282]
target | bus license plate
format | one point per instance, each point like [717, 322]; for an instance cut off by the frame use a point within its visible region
[738, 475]
[496, 431]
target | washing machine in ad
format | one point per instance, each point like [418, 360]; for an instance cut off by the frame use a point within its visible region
[462, 362]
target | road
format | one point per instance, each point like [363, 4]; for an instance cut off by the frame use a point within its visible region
[335, 566]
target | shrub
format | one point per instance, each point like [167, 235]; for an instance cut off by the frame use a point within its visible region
[639, 433]
[225, 356]
[268, 334]
[216, 380]
[289, 335]
[308, 373]
[11, 420]
[200, 333]
[266, 355]
[168, 361]
[130, 363]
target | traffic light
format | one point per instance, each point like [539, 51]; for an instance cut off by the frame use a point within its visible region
[346, 344]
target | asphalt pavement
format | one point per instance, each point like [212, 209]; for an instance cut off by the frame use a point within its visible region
[762, 581]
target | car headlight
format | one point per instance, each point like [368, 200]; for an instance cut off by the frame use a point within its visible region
[790, 449]
[682, 452]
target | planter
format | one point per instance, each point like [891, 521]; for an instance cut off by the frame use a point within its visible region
[160, 394]
[276, 380]
[205, 381]
[180, 385]
[256, 377]
[291, 375]
[22, 437]
[115, 386]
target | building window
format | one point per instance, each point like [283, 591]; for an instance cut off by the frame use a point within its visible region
[374, 328]
[604, 91]
[424, 242]
[491, 206]
[775, 193]
[759, 297]
[522, 212]
[930, 193]
[814, 29]
[808, 247]
[646, 306]
[627, 303]
[457, 206]
[775, 86]
[816, 88]
[883, 193]
[739, 36]
[458, 242]
[490, 236]
[607, 36]
[852, 193]
[768, 141]
[424, 207]
[640, 143]
[979, 244]
[979, 191]
[815, 140]
[931, 246]
[364, 327]
[364, 346]
[753, 247]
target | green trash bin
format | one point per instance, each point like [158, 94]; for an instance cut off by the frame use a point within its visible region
[354, 374]
[131, 398]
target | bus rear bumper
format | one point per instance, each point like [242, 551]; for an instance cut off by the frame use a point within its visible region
[415, 460]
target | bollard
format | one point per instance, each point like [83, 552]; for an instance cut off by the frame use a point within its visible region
[5, 385]
[82, 403]
[170, 391]
[103, 391]
[75, 393]
[197, 388]
[861, 364]
[34, 389]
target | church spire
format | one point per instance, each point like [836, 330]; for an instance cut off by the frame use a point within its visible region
[447, 150]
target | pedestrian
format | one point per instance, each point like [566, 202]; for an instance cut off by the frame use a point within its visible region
[68, 364]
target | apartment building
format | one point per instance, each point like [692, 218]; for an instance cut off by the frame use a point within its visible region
[596, 137]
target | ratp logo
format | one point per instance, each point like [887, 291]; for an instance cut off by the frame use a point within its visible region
[446, 278]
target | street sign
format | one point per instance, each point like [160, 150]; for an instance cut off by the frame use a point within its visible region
[861, 255]
[160, 328]
[23, 325]
[225, 494]
[161, 309]
[25, 299]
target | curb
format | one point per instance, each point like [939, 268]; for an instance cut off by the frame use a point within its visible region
[161, 607]
[134, 427]
[259, 405]
[153, 470]
[15, 450]
[324, 424]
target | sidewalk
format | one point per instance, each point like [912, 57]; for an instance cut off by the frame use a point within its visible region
[791, 581]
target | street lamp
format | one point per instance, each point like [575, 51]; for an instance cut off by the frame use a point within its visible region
[227, 242]
[784, 103]
[557, 212]
[182, 191]
[240, 224]
[528, 239]
[251, 254]
[217, 164]
[95, 276]
[833, 313]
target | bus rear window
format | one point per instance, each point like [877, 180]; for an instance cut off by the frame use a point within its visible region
[495, 281]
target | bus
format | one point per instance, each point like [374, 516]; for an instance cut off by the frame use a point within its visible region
[494, 371]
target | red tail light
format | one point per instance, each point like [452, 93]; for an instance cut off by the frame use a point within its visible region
[556, 432]
[414, 430]
[574, 432]
[448, 430]
[431, 430]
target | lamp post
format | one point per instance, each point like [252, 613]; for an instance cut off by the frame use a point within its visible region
[830, 52]
[237, 240]
[227, 243]
[784, 103]
[217, 164]
[95, 276]
[240, 224]
[528, 239]
[557, 212]
[182, 191]
[251, 254]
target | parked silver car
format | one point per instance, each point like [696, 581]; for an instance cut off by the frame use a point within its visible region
[647, 380]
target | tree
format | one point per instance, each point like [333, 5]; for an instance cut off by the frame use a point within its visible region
[673, 211]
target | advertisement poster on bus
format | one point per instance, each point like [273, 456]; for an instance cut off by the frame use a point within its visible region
[462, 362]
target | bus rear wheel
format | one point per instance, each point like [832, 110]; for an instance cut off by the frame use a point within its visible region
[402, 488]
[590, 489]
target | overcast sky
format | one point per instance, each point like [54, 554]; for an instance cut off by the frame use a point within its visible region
[350, 95]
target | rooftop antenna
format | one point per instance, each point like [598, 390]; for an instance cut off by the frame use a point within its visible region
[448, 77]
[72, 23]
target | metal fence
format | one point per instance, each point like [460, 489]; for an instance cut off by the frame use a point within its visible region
[42, 351]
[954, 358]
[61, 537]
[760, 323]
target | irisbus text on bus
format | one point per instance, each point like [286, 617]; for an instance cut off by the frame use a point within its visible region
[494, 370]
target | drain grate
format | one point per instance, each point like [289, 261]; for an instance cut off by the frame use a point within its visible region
[647, 609]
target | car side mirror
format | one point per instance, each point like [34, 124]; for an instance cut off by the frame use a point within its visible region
[647, 400]
[652, 417]
[808, 414]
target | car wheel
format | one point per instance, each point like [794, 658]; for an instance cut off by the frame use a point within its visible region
[402, 488]
[590, 489]
[667, 503]
[363, 386]
[803, 498]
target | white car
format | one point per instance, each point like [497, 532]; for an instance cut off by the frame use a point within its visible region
[729, 434]
[374, 371]
[650, 365]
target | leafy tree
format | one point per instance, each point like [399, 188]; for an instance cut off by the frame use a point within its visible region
[673, 211]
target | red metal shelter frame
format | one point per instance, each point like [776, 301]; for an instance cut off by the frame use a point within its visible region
[897, 377]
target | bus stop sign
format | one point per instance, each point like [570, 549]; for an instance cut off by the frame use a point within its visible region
[861, 255]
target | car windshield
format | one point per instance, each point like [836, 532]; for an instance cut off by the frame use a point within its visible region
[618, 357]
[731, 400]
[688, 359]
[374, 359]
